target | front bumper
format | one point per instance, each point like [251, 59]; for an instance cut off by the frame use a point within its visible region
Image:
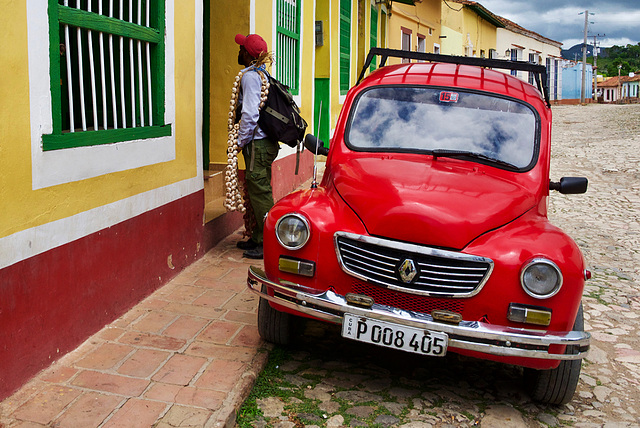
[468, 335]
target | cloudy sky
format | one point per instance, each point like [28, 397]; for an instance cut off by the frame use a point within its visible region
[618, 20]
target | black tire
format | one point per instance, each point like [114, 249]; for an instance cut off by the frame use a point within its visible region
[556, 386]
[273, 326]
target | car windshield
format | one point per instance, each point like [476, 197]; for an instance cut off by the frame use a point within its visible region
[444, 122]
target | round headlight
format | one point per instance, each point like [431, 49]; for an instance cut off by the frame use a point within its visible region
[541, 278]
[293, 231]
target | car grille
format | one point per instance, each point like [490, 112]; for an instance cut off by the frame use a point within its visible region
[408, 302]
[437, 272]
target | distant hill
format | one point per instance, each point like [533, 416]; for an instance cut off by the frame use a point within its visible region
[575, 52]
[609, 59]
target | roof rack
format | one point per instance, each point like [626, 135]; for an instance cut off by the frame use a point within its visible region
[539, 71]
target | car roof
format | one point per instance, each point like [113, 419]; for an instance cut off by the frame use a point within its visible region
[454, 76]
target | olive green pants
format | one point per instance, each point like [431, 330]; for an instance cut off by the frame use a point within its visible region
[258, 180]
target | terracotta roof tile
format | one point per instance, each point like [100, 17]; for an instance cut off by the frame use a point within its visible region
[510, 25]
[611, 82]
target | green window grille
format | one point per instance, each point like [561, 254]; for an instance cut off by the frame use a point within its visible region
[345, 45]
[287, 64]
[374, 32]
[107, 71]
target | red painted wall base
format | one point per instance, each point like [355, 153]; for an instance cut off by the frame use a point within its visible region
[52, 302]
[283, 177]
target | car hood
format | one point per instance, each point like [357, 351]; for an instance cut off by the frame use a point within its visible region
[440, 203]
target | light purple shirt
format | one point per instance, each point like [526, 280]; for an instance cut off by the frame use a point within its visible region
[250, 99]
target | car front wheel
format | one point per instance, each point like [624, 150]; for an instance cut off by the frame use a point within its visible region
[556, 386]
[274, 326]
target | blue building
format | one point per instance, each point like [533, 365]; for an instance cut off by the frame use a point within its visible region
[572, 81]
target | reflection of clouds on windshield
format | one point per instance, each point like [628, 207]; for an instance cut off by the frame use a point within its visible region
[393, 124]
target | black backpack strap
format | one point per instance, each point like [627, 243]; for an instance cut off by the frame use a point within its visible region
[253, 137]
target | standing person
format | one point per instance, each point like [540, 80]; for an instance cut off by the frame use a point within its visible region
[258, 150]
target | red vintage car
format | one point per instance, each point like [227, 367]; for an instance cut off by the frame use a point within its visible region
[428, 232]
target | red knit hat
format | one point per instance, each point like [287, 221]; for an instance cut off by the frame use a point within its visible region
[253, 43]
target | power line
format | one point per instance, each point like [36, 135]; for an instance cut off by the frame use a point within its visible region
[450, 7]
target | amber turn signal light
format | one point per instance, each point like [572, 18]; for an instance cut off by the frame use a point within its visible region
[529, 314]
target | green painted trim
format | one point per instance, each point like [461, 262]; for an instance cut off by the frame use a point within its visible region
[105, 24]
[109, 136]
[294, 87]
[288, 33]
[54, 66]
[344, 46]
[322, 93]
[61, 15]
[158, 63]
[487, 16]
[373, 33]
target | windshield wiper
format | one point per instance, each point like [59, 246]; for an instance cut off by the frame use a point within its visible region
[445, 153]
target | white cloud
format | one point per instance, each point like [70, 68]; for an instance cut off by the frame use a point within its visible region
[609, 41]
[618, 20]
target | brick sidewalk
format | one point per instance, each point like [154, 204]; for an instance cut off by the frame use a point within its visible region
[185, 356]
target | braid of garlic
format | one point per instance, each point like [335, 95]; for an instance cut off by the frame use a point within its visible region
[233, 188]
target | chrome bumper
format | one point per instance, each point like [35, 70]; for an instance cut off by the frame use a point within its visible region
[469, 335]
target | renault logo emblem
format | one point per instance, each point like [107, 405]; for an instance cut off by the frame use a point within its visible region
[407, 271]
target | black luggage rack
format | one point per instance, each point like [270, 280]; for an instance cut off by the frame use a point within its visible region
[539, 71]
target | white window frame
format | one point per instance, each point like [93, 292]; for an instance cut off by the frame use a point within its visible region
[55, 167]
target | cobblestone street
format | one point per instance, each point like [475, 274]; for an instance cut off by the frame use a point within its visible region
[601, 142]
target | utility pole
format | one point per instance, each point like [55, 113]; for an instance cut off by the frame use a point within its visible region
[584, 57]
[595, 66]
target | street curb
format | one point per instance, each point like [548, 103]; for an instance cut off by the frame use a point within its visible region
[226, 416]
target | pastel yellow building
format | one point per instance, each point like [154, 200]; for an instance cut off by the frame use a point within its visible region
[415, 27]
[468, 29]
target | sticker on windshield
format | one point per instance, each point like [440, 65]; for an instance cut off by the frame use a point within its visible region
[449, 97]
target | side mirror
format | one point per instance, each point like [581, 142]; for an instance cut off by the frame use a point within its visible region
[570, 185]
[315, 145]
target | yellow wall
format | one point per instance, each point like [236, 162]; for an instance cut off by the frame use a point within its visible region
[452, 43]
[452, 27]
[228, 18]
[481, 33]
[336, 98]
[307, 65]
[23, 208]
[323, 53]
[463, 27]
[418, 19]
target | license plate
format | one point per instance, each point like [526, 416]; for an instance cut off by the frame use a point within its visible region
[394, 336]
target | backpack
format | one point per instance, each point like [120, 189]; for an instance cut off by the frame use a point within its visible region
[280, 117]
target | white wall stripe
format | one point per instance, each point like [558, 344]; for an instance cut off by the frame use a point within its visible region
[37, 240]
